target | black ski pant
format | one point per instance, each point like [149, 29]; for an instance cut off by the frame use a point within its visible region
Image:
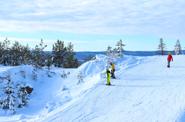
[112, 73]
[168, 63]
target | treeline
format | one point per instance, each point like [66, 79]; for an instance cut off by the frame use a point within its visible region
[15, 54]
[117, 51]
[162, 47]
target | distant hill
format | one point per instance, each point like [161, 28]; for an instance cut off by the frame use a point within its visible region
[84, 55]
[81, 56]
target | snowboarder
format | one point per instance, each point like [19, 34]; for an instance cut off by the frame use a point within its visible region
[112, 70]
[108, 77]
[169, 59]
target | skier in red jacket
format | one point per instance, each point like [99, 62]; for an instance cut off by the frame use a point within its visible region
[170, 58]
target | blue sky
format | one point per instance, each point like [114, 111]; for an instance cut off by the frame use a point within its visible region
[92, 25]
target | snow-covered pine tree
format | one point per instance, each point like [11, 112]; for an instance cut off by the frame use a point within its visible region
[13, 94]
[115, 53]
[111, 54]
[120, 49]
[178, 49]
[38, 55]
[161, 46]
[9, 102]
[59, 52]
[109, 51]
[22, 95]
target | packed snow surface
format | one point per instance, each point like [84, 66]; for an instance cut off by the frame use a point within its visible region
[145, 90]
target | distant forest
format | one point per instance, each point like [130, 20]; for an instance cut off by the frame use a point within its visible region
[14, 54]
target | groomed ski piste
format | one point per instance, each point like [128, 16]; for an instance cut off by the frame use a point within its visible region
[145, 90]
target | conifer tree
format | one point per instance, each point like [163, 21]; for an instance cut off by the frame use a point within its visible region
[9, 102]
[4, 52]
[26, 54]
[161, 46]
[178, 49]
[16, 54]
[49, 61]
[59, 52]
[120, 49]
[22, 96]
[70, 60]
[109, 51]
[38, 55]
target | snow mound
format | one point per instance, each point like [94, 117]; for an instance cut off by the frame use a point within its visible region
[95, 66]
[41, 80]
[145, 90]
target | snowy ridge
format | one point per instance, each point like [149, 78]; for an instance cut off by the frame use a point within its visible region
[93, 70]
[95, 66]
[144, 91]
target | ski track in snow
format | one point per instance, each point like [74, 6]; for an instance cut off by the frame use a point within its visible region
[144, 91]
[148, 92]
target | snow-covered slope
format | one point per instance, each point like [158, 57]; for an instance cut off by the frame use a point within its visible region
[144, 91]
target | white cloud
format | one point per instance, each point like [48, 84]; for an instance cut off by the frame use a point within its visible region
[94, 16]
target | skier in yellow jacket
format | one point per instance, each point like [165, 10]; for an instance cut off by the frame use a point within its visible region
[112, 70]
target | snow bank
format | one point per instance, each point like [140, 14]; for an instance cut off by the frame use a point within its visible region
[51, 90]
[94, 66]
[145, 90]
[46, 85]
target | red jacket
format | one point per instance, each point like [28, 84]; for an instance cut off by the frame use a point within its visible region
[170, 58]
